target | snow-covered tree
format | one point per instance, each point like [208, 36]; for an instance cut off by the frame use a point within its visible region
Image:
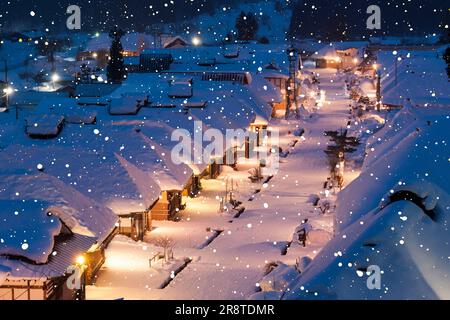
[116, 69]
[247, 26]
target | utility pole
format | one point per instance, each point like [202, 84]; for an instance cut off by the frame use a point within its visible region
[292, 82]
[396, 71]
[6, 82]
[6, 93]
[378, 93]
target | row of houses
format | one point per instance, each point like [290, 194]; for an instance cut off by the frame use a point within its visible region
[108, 169]
[133, 45]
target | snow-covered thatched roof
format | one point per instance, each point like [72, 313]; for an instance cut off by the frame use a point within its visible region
[421, 77]
[33, 209]
[394, 217]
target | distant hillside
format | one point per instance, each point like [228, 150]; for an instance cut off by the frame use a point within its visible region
[273, 20]
[347, 18]
[324, 18]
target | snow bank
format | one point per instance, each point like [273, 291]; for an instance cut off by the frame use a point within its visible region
[421, 77]
[410, 148]
[392, 217]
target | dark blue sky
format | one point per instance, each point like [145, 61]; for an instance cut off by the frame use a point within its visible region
[399, 16]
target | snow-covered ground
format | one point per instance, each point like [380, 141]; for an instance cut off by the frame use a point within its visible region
[225, 254]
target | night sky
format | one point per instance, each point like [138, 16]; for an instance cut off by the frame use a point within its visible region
[404, 17]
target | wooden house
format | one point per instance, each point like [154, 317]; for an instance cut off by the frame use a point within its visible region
[175, 43]
[280, 81]
[59, 264]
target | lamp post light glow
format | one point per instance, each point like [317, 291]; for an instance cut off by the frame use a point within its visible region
[196, 41]
[8, 91]
[55, 78]
[80, 260]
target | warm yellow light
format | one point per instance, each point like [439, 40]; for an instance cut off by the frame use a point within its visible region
[55, 77]
[375, 66]
[81, 260]
[196, 41]
[8, 90]
[355, 61]
[95, 55]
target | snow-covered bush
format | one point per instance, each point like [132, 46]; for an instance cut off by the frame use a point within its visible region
[279, 278]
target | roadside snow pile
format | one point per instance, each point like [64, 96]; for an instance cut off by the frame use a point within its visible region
[66, 107]
[276, 282]
[411, 148]
[392, 218]
[180, 89]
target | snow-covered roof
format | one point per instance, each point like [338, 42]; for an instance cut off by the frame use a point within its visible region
[33, 209]
[175, 42]
[180, 89]
[330, 50]
[44, 125]
[27, 230]
[78, 212]
[64, 254]
[421, 77]
[95, 89]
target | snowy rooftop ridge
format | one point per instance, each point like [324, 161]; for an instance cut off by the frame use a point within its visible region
[80, 214]
[27, 230]
[417, 75]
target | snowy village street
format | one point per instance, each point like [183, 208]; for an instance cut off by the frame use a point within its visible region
[227, 150]
[231, 266]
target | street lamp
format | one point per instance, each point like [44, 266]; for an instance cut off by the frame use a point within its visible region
[80, 260]
[196, 41]
[7, 91]
[55, 78]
